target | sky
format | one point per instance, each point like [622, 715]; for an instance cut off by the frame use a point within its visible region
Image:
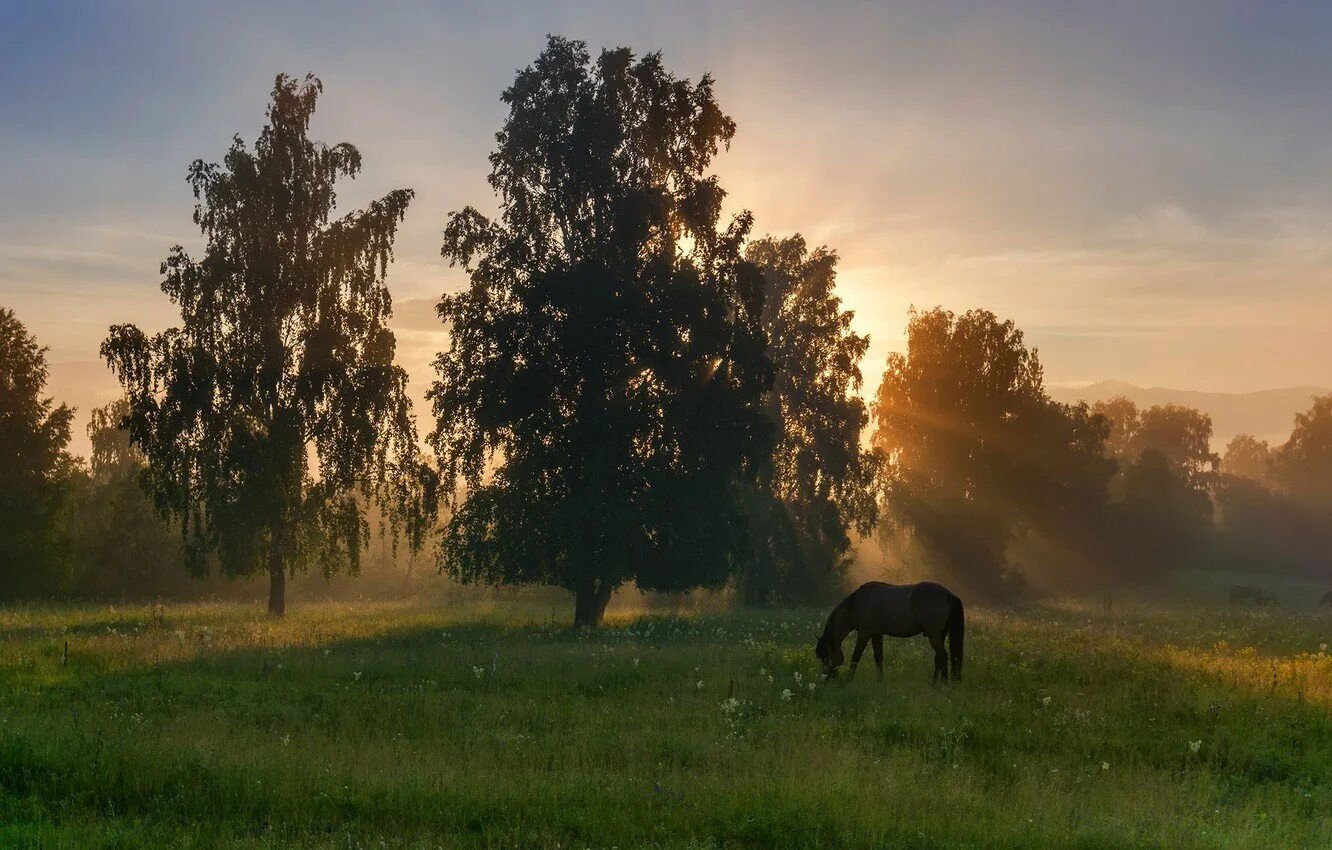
[1144, 188]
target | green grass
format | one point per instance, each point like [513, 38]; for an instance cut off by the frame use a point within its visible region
[482, 725]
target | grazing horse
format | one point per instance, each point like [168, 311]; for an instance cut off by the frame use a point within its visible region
[876, 609]
[1326, 601]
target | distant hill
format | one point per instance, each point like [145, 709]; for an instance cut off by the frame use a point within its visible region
[1268, 414]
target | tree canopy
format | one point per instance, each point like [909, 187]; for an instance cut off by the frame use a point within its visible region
[1303, 465]
[975, 448]
[276, 402]
[601, 396]
[34, 466]
[818, 482]
[1246, 456]
[126, 549]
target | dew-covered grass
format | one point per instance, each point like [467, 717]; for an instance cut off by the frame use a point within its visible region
[492, 725]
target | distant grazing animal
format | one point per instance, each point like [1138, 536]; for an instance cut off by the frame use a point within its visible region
[1244, 593]
[876, 609]
[1326, 601]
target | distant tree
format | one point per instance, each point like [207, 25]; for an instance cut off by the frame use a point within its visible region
[1166, 520]
[1183, 436]
[974, 446]
[1161, 514]
[1247, 456]
[1122, 416]
[277, 399]
[1063, 487]
[602, 393]
[1268, 530]
[126, 549]
[1303, 466]
[818, 482]
[34, 467]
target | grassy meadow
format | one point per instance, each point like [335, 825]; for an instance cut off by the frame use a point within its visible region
[486, 724]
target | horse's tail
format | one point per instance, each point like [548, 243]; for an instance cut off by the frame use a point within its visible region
[957, 626]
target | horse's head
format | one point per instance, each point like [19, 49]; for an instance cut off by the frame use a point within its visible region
[829, 653]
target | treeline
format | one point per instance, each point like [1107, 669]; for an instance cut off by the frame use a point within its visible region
[635, 391]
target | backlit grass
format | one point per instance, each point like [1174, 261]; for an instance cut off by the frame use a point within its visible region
[491, 725]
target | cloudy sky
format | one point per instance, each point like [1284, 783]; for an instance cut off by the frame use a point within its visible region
[1146, 188]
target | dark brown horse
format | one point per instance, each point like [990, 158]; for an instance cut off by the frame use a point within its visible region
[876, 609]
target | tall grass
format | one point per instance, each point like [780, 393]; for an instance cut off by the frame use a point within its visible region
[488, 725]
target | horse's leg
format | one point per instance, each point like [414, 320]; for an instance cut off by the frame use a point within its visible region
[878, 653]
[861, 640]
[940, 656]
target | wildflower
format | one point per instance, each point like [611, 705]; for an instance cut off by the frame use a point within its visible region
[1194, 746]
[786, 694]
[356, 677]
[1045, 701]
[700, 684]
[1105, 765]
[730, 705]
[635, 662]
[477, 671]
[797, 677]
[811, 687]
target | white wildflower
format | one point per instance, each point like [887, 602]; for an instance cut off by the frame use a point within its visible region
[786, 694]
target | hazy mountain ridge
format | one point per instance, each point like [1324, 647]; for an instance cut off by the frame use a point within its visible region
[1268, 414]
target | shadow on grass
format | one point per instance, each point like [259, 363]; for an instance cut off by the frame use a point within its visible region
[62, 758]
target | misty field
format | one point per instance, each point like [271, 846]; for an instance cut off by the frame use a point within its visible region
[489, 725]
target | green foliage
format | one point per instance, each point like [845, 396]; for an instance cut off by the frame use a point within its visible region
[35, 469]
[817, 483]
[601, 395]
[283, 356]
[1269, 530]
[1303, 466]
[975, 448]
[1163, 511]
[124, 548]
[1276, 506]
[1247, 456]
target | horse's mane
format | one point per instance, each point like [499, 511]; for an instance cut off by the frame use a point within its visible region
[828, 625]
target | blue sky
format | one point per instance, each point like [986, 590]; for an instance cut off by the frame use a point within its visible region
[1145, 188]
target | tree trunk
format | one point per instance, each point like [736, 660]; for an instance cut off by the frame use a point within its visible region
[590, 603]
[277, 584]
